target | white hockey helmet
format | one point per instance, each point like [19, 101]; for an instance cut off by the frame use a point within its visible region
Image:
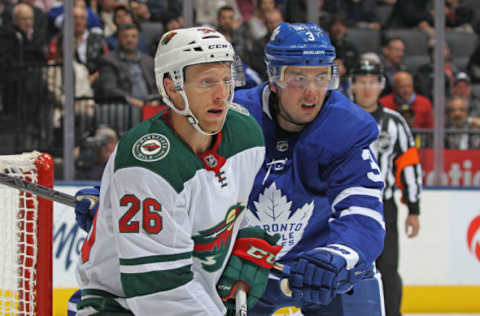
[180, 48]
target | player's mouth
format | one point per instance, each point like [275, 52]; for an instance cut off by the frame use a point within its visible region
[308, 105]
[216, 112]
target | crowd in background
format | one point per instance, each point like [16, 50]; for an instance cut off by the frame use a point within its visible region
[115, 42]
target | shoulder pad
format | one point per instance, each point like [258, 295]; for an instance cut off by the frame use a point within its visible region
[239, 108]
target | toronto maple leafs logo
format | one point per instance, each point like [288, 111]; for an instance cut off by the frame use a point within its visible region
[275, 216]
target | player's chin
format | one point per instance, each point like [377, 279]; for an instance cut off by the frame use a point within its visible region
[212, 126]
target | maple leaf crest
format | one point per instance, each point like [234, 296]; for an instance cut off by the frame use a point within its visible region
[275, 216]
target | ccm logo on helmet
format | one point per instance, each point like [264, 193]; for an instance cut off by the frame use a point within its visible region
[213, 46]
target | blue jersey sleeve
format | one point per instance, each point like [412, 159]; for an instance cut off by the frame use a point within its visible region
[355, 194]
[351, 176]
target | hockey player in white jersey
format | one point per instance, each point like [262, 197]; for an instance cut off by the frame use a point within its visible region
[319, 186]
[173, 194]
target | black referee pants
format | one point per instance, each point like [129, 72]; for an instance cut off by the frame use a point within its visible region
[387, 263]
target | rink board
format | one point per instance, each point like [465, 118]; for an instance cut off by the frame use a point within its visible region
[440, 271]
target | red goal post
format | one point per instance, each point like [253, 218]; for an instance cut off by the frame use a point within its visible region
[26, 238]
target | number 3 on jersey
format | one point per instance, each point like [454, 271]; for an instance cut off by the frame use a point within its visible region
[151, 221]
[374, 176]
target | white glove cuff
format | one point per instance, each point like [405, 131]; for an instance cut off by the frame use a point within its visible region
[350, 255]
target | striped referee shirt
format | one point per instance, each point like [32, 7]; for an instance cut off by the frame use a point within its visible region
[397, 157]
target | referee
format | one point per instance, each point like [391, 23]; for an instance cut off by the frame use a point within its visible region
[398, 160]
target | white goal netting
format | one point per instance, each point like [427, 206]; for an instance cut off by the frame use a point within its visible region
[19, 213]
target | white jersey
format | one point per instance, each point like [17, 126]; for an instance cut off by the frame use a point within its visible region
[167, 220]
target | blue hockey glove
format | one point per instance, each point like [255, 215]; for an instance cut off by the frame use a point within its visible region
[252, 258]
[318, 275]
[86, 206]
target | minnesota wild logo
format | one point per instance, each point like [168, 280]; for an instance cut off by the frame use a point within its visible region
[212, 244]
[151, 147]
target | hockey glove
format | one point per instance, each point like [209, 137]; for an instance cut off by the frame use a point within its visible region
[86, 206]
[318, 275]
[252, 258]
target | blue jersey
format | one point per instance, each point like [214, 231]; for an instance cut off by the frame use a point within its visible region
[319, 186]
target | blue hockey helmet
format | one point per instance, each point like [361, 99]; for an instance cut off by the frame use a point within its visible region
[299, 44]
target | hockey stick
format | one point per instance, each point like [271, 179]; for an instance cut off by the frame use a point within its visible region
[241, 301]
[37, 189]
[241, 294]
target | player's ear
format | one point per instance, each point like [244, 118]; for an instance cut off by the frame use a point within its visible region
[169, 86]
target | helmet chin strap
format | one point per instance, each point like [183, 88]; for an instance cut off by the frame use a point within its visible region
[193, 120]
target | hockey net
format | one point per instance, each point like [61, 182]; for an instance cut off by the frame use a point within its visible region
[26, 238]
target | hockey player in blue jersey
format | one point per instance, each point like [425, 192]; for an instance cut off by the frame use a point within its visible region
[319, 186]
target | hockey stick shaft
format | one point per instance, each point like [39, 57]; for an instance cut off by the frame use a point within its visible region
[37, 189]
[241, 294]
[241, 301]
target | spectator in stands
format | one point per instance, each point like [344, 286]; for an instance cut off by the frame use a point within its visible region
[206, 11]
[473, 66]
[171, 20]
[228, 26]
[296, 11]
[40, 21]
[457, 121]
[410, 14]
[462, 87]
[403, 93]
[93, 23]
[256, 26]
[24, 90]
[458, 17]
[94, 154]
[359, 13]
[127, 74]
[344, 48]
[90, 47]
[140, 10]
[158, 8]
[393, 53]
[105, 11]
[255, 59]
[45, 5]
[122, 15]
[5, 13]
[424, 76]
[83, 82]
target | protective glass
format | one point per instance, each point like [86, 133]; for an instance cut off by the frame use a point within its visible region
[327, 79]
[319, 82]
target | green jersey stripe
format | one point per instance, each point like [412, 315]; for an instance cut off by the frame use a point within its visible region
[154, 259]
[97, 292]
[138, 284]
[103, 305]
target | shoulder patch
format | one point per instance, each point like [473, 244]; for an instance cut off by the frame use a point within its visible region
[239, 108]
[151, 147]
